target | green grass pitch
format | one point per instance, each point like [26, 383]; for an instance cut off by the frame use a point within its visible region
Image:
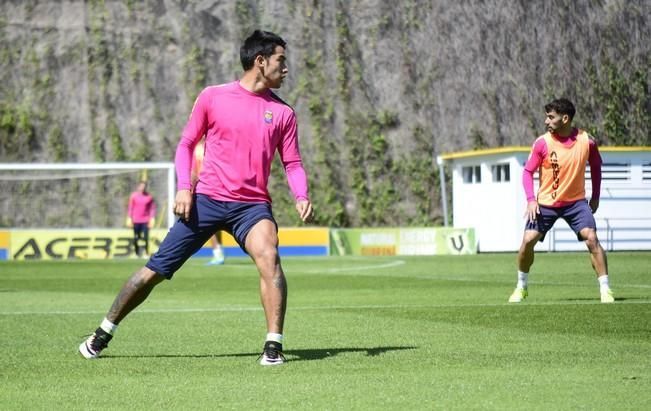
[361, 333]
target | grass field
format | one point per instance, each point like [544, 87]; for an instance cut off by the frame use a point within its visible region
[361, 333]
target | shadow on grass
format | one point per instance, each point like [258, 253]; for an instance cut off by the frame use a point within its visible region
[292, 355]
[320, 354]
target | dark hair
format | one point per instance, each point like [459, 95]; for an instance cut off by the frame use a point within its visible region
[260, 43]
[561, 106]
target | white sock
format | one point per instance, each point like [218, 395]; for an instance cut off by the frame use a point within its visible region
[523, 280]
[216, 251]
[108, 326]
[603, 283]
[275, 337]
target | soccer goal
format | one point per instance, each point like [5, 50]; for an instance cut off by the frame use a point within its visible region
[80, 195]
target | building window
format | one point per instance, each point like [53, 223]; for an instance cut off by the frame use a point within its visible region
[471, 174]
[613, 172]
[501, 173]
[646, 172]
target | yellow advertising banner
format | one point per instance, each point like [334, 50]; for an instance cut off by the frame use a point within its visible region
[67, 244]
[4, 245]
[77, 244]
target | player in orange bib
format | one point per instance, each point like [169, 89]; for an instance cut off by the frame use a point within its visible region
[560, 157]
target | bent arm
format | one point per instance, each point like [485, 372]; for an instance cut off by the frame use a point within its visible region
[297, 179]
[192, 133]
[594, 159]
[538, 152]
[130, 206]
[290, 156]
[527, 184]
[152, 210]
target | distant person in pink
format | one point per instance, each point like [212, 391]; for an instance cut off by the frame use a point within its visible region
[141, 215]
[244, 124]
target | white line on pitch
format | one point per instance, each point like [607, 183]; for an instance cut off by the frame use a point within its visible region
[357, 268]
[322, 308]
[335, 270]
[349, 269]
[534, 282]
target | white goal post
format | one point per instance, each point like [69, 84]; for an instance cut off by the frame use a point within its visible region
[46, 171]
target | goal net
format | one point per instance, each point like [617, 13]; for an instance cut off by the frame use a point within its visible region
[73, 195]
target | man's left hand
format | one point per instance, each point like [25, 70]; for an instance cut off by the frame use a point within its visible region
[305, 211]
[594, 204]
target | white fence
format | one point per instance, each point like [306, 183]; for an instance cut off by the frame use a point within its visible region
[626, 227]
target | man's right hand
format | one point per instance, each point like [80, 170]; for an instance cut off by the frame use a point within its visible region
[532, 211]
[183, 204]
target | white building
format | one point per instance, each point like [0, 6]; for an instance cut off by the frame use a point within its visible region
[488, 196]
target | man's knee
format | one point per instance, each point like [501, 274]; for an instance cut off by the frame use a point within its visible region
[529, 239]
[146, 276]
[262, 241]
[589, 236]
[266, 254]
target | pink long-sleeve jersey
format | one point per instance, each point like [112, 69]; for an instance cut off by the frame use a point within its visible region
[243, 131]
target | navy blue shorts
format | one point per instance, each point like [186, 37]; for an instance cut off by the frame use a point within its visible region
[141, 230]
[578, 216]
[206, 217]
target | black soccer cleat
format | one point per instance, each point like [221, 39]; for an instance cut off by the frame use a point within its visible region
[272, 354]
[93, 345]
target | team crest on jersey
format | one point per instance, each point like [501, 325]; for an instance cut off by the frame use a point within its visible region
[268, 116]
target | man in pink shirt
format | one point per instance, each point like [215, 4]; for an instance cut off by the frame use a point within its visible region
[560, 157]
[244, 124]
[140, 215]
